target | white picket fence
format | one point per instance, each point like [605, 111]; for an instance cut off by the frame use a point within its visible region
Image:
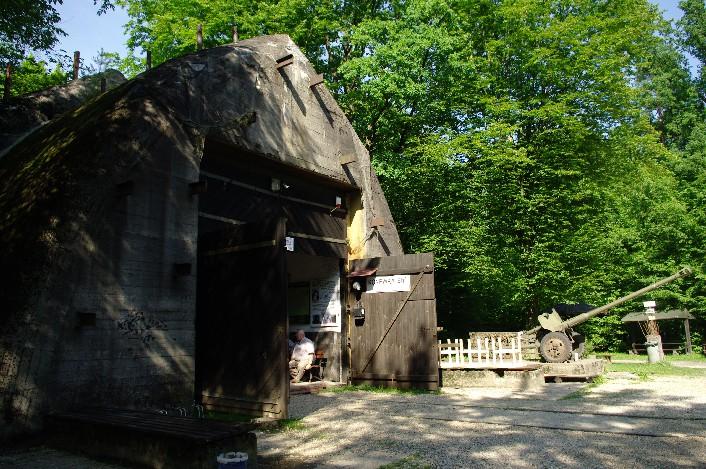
[488, 352]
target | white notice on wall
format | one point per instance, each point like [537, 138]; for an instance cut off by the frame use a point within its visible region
[388, 283]
[289, 243]
[326, 302]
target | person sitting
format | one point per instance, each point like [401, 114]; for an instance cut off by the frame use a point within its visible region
[302, 356]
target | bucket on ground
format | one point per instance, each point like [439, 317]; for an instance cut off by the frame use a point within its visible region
[232, 460]
[652, 352]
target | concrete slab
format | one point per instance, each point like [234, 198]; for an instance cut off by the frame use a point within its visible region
[581, 369]
[512, 379]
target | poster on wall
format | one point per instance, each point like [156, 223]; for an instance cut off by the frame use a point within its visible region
[325, 303]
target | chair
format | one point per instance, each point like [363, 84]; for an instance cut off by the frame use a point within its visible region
[318, 364]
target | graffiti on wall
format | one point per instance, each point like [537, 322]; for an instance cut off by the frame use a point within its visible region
[137, 324]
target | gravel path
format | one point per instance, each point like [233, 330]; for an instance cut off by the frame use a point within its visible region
[621, 423]
[40, 457]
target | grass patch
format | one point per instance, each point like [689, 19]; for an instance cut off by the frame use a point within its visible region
[646, 370]
[584, 391]
[410, 462]
[378, 389]
[286, 425]
[691, 357]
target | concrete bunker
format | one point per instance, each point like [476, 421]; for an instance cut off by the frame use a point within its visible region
[146, 238]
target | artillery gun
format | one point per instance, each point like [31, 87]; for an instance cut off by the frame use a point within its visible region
[557, 340]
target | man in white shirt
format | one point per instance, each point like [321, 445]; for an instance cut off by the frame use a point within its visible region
[302, 356]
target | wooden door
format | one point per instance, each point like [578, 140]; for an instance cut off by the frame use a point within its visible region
[395, 345]
[241, 320]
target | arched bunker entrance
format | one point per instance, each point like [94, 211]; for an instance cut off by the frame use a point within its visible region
[271, 253]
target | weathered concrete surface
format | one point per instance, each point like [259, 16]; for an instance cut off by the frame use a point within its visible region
[96, 211]
[511, 379]
[25, 113]
[587, 368]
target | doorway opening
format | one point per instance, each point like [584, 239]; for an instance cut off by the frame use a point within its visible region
[271, 249]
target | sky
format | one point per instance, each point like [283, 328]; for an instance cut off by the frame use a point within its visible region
[88, 32]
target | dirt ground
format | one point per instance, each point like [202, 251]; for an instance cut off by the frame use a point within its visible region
[623, 422]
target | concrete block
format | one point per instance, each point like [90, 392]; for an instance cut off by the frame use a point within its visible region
[585, 369]
[514, 379]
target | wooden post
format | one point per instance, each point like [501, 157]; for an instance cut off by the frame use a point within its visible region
[104, 84]
[235, 33]
[77, 61]
[8, 83]
[199, 37]
[149, 60]
[687, 332]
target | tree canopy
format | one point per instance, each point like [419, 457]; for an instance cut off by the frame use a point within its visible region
[547, 152]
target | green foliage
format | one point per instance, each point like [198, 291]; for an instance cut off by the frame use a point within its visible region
[376, 389]
[646, 371]
[33, 75]
[27, 25]
[286, 425]
[545, 151]
[691, 357]
[585, 390]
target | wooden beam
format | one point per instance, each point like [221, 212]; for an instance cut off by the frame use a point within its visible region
[347, 159]
[377, 221]
[234, 31]
[284, 61]
[222, 219]
[8, 82]
[199, 37]
[687, 333]
[77, 62]
[104, 84]
[148, 59]
[316, 80]
[199, 187]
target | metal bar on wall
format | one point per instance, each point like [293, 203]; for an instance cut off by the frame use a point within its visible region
[318, 238]
[222, 219]
[268, 192]
[242, 247]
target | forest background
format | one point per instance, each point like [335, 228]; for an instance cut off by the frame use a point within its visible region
[546, 151]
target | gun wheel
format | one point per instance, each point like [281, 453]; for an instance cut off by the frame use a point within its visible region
[555, 347]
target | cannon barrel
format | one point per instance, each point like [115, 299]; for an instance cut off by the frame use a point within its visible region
[602, 309]
[569, 323]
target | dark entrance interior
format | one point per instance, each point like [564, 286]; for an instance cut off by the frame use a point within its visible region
[253, 212]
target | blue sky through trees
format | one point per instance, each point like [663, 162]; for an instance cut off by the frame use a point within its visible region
[88, 32]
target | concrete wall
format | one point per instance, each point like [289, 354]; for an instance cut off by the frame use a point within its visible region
[99, 316]
[111, 324]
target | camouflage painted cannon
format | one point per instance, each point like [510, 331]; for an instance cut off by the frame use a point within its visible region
[557, 340]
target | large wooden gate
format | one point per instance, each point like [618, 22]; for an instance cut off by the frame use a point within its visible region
[395, 344]
[241, 319]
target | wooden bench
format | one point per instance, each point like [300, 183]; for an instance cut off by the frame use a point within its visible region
[667, 347]
[149, 439]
